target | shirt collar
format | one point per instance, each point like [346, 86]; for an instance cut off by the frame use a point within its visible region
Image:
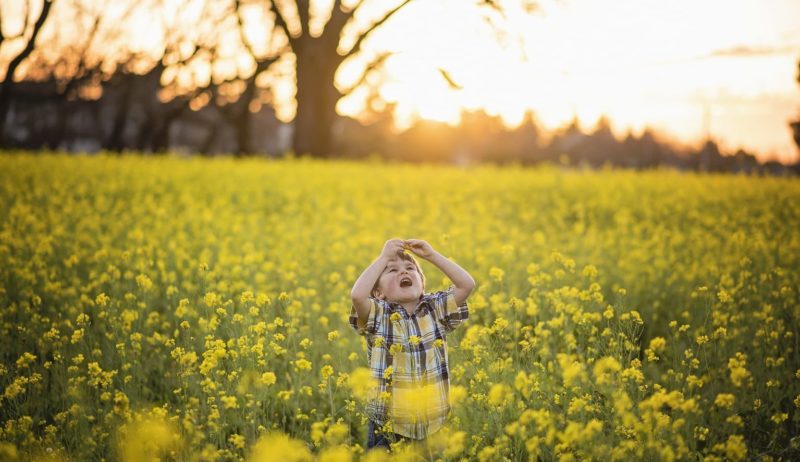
[424, 300]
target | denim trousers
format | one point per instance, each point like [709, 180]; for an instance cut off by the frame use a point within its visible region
[382, 439]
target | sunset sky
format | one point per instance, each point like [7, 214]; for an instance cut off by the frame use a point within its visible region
[684, 68]
[681, 67]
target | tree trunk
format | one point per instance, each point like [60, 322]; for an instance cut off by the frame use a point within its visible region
[316, 102]
[7, 85]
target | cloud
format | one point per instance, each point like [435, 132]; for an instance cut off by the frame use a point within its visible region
[740, 51]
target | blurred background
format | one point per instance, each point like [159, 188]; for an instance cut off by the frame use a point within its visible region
[710, 86]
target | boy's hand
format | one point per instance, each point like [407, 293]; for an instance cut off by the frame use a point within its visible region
[420, 248]
[392, 248]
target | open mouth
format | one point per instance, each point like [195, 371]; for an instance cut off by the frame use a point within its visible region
[406, 282]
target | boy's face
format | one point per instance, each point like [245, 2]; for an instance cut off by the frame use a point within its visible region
[400, 282]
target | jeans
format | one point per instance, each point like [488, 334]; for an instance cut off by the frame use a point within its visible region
[381, 439]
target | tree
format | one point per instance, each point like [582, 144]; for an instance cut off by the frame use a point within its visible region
[318, 55]
[28, 35]
[238, 114]
[66, 73]
[796, 124]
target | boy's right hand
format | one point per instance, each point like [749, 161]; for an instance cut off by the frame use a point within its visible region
[392, 249]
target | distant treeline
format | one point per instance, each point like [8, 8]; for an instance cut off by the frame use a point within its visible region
[69, 80]
[129, 116]
[484, 138]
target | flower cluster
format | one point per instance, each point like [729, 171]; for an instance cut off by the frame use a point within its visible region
[164, 309]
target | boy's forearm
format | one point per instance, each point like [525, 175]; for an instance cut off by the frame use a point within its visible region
[363, 285]
[461, 279]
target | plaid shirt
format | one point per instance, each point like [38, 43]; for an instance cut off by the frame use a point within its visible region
[407, 355]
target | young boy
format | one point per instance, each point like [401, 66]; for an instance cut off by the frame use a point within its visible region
[406, 333]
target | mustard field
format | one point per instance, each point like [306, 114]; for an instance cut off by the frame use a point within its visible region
[162, 308]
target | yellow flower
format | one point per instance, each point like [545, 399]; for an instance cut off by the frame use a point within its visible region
[77, 335]
[701, 433]
[657, 344]
[455, 444]
[589, 271]
[262, 300]
[735, 448]
[604, 368]
[25, 360]
[609, 312]
[102, 299]
[229, 402]
[268, 378]
[361, 382]
[387, 373]
[487, 454]
[148, 436]
[779, 418]
[210, 299]
[725, 400]
[277, 446]
[571, 370]
[694, 382]
[247, 296]
[335, 454]
[326, 371]
[395, 317]
[414, 340]
[237, 441]
[724, 296]
[738, 371]
[333, 335]
[302, 365]
[457, 394]
[496, 274]
[144, 282]
[735, 420]
[500, 394]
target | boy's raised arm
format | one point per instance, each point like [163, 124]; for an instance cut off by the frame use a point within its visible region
[361, 289]
[462, 281]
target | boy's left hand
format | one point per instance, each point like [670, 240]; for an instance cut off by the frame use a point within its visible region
[420, 248]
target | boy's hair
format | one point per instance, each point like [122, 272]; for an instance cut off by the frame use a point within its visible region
[407, 257]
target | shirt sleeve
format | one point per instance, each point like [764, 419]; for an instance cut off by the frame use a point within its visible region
[371, 326]
[448, 314]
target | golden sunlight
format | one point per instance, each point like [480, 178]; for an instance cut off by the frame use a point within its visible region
[686, 69]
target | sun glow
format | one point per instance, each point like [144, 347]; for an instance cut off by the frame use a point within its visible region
[683, 68]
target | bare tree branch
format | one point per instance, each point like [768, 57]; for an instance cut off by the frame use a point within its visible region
[372, 66]
[6, 88]
[280, 22]
[357, 46]
[338, 19]
[304, 12]
[25, 52]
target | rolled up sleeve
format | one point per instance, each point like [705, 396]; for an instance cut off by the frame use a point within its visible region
[448, 313]
[371, 326]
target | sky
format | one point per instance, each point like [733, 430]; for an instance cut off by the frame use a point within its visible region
[687, 69]
[726, 68]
